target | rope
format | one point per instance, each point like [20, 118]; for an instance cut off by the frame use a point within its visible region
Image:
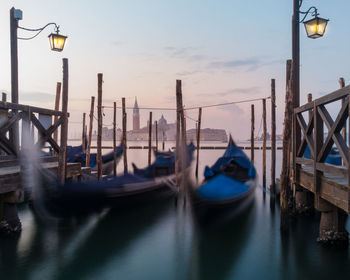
[196, 107]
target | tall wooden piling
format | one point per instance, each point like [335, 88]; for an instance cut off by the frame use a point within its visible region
[286, 152]
[156, 124]
[150, 138]
[342, 84]
[163, 143]
[83, 134]
[124, 137]
[177, 145]
[62, 163]
[57, 108]
[90, 130]
[99, 125]
[264, 144]
[273, 137]
[198, 138]
[4, 98]
[252, 133]
[115, 138]
[183, 135]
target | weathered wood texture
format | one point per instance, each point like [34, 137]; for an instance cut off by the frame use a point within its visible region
[150, 138]
[287, 145]
[57, 107]
[124, 136]
[252, 127]
[99, 125]
[313, 136]
[273, 136]
[64, 127]
[91, 116]
[198, 138]
[264, 144]
[115, 138]
[83, 134]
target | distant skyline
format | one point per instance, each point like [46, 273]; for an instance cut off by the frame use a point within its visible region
[222, 51]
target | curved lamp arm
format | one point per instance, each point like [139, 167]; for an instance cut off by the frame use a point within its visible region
[38, 30]
[312, 10]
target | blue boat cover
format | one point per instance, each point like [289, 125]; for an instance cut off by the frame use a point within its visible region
[232, 153]
[333, 157]
[222, 187]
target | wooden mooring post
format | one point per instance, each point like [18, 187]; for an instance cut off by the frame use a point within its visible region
[264, 144]
[285, 182]
[57, 108]
[83, 134]
[150, 138]
[115, 138]
[273, 137]
[62, 167]
[99, 125]
[156, 124]
[124, 137]
[90, 131]
[198, 138]
[163, 143]
[252, 133]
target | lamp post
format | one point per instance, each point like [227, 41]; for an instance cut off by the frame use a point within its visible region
[57, 42]
[315, 28]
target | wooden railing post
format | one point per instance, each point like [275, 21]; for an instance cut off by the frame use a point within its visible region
[318, 142]
[64, 127]
[273, 137]
[99, 126]
[264, 144]
[150, 138]
[90, 130]
[252, 133]
[342, 84]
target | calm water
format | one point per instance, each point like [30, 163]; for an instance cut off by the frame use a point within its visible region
[161, 241]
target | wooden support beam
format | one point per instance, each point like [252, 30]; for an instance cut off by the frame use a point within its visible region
[252, 133]
[64, 127]
[99, 125]
[273, 137]
[57, 108]
[124, 136]
[318, 140]
[115, 138]
[198, 138]
[149, 138]
[90, 130]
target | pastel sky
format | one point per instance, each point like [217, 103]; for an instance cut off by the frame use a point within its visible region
[222, 50]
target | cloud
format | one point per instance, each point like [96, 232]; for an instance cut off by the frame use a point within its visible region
[37, 97]
[248, 90]
[250, 64]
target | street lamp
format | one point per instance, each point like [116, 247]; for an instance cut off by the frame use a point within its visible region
[57, 42]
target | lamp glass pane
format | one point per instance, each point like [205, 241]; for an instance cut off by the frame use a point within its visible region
[315, 27]
[57, 42]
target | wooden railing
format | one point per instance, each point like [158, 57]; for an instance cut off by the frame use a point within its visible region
[12, 114]
[312, 135]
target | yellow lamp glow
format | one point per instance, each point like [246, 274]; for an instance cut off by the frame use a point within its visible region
[316, 27]
[57, 41]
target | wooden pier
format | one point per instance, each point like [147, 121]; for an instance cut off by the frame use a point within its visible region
[329, 183]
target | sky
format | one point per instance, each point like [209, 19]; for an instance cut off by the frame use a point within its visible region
[222, 50]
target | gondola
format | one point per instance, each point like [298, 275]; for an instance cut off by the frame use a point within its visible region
[228, 187]
[144, 186]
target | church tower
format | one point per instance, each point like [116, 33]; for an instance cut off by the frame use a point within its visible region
[136, 116]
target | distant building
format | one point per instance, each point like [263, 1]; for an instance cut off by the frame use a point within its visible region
[136, 116]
